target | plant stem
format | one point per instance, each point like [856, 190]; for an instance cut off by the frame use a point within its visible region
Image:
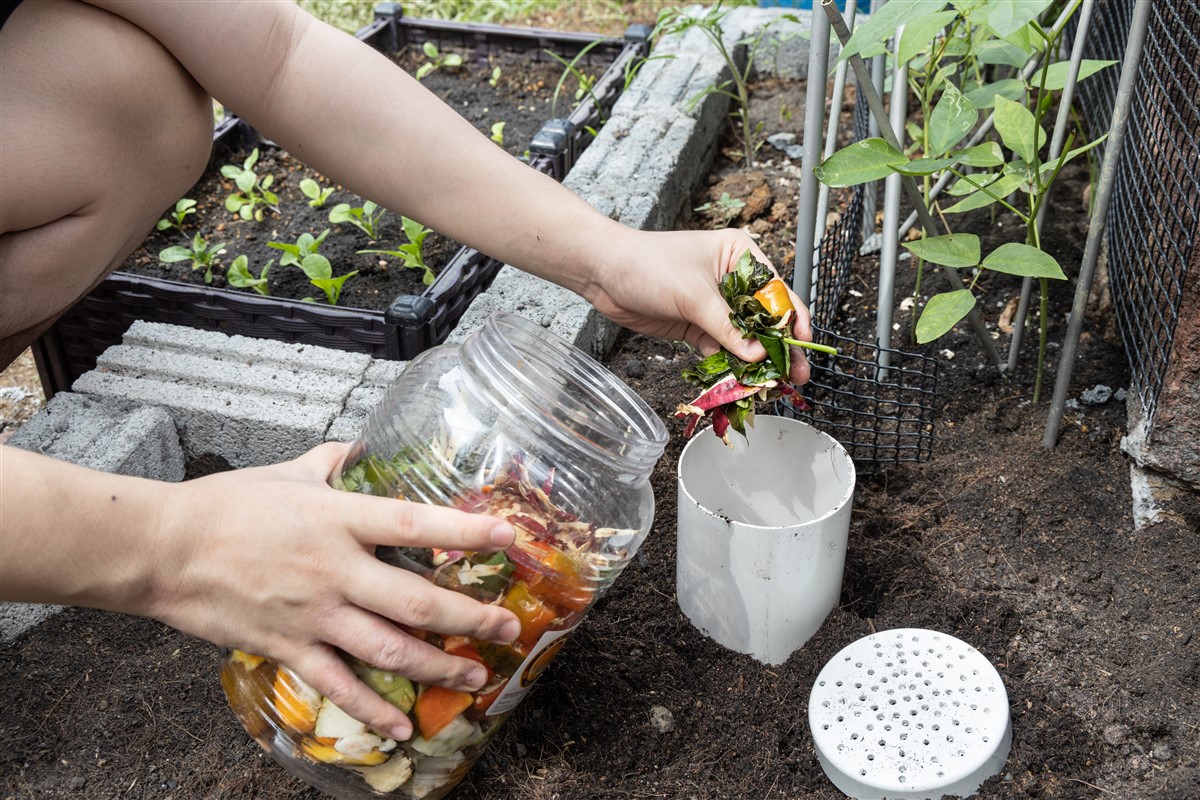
[820, 348]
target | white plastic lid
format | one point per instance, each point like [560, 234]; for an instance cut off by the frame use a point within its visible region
[909, 714]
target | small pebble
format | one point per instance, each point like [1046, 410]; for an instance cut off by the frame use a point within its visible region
[661, 719]
[1161, 752]
[635, 368]
[1115, 734]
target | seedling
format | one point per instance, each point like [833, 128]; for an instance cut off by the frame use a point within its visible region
[585, 82]
[724, 209]
[320, 274]
[498, 133]
[294, 254]
[254, 194]
[437, 60]
[365, 217]
[679, 20]
[239, 275]
[175, 218]
[316, 194]
[494, 81]
[411, 253]
[200, 254]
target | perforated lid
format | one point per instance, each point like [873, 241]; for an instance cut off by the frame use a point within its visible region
[909, 714]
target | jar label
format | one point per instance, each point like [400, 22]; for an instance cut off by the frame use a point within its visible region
[534, 664]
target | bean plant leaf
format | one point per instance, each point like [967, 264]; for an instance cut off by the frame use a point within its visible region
[961, 188]
[1018, 129]
[1023, 260]
[1056, 74]
[943, 312]
[919, 34]
[925, 166]
[953, 118]
[174, 254]
[997, 51]
[956, 250]
[1000, 188]
[868, 160]
[1049, 167]
[882, 24]
[987, 154]
[985, 96]
[1006, 17]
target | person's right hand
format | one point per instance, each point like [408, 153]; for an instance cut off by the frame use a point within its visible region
[275, 562]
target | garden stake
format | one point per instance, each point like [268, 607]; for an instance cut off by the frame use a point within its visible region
[910, 185]
[831, 131]
[1056, 144]
[1108, 174]
[1030, 67]
[889, 254]
[803, 275]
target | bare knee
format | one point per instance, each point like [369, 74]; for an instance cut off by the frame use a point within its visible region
[101, 131]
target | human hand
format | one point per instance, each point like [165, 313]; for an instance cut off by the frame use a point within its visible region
[666, 285]
[275, 562]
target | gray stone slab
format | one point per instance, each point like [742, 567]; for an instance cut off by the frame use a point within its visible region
[379, 378]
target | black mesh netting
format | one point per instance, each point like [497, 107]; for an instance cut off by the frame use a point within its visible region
[1152, 217]
[879, 415]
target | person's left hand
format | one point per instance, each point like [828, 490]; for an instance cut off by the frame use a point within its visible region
[666, 285]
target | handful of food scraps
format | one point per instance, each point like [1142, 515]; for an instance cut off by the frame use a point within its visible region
[760, 308]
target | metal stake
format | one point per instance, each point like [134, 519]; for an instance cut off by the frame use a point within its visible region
[814, 115]
[831, 131]
[889, 253]
[1096, 225]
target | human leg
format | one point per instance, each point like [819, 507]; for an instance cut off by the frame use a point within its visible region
[101, 129]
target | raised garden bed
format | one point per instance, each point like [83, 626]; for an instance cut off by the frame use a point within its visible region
[386, 310]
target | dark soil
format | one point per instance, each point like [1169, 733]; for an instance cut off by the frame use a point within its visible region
[523, 97]
[1029, 555]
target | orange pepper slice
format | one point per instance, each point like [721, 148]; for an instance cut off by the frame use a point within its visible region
[294, 703]
[534, 615]
[775, 298]
[437, 707]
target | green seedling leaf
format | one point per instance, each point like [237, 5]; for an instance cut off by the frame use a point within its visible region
[953, 118]
[430, 50]
[987, 154]
[943, 312]
[956, 250]
[1023, 260]
[920, 32]
[999, 188]
[239, 275]
[452, 60]
[175, 254]
[882, 24]
[1018, 129]
[985, 96]
[1056, 74]
[1006, 17]
[868, 160]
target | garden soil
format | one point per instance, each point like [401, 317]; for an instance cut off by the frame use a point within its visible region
[1032, 556]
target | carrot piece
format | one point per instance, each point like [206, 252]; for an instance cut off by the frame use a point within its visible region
[559, 583]
[775, 298]
[437, 707]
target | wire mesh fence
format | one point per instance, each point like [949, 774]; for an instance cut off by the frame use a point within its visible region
[1152, 221]
[879, 415]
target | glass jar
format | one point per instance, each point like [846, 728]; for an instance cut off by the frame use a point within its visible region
[513, 422]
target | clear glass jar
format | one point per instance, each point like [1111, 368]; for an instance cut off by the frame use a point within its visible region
[512, 422]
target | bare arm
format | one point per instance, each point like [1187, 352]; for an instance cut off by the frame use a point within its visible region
[271, 560]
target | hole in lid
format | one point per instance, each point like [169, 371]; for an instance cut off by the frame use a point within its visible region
[904, 736]
[870, 756]
[870, 672]
[968, 730]
[858, 664]
[904, 723]
[950, 738]
[820, 683]
[841, 747]
[854, 736]
[883, 743]
[925, 742]
[985, 739]
[879, 717]
[937, 727]
[862, 772]
[825, 727]
[858, 686]
[840, 718]
[838, 683]
[825, 704]
[940, 773]
[961, 754]
[870, 726]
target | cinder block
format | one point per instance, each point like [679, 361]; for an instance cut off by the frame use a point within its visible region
[249, 401]
[106, 434]
[379, 378]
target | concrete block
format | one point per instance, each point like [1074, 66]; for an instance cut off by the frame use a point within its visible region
[379, 378]
[249, 401]
[16, 618]
[111, 435]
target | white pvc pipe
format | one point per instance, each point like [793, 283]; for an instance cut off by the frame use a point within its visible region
[762, 531]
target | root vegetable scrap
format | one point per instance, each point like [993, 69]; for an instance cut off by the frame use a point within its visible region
[761, 307]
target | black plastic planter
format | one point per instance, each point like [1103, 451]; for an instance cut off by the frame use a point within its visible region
[411, 323]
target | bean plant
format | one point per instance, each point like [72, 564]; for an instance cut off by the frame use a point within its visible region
[411, 253]
[253, 196]
[365, 217]
[967, 57]
[201, 254]
[175, 217]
